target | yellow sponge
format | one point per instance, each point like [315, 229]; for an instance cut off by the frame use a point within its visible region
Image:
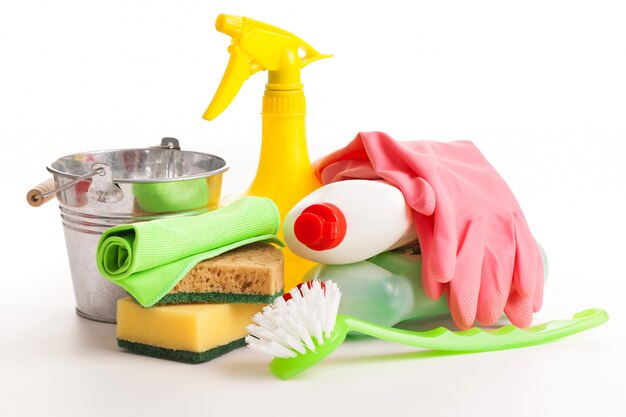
[190, 333]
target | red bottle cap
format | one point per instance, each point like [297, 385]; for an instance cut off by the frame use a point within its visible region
[320, 226]
[287, 296]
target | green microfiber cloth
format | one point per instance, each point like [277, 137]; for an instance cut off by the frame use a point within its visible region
[148, 259]
[179, 355]
[217, 297]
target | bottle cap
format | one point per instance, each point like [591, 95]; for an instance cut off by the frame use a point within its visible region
[320, 226]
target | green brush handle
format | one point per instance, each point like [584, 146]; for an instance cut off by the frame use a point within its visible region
[471, 340]
[479, 340]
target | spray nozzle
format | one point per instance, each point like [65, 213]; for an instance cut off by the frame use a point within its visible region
[229, 25]
[258, 46]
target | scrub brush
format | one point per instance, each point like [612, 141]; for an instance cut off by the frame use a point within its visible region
[303, 327]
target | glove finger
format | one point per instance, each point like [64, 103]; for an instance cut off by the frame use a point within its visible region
[498, 264]
[518, 309]
[465, 286]
[525, 270]
[538, 295]
[424, 226]
[443, 255]
[494, 287]
[432, 288]
[419, 194]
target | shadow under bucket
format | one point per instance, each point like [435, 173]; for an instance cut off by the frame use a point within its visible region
[101, 189]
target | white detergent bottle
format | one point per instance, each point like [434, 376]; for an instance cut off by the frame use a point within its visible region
[349, 221]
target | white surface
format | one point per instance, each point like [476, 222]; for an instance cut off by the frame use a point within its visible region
[538, 85]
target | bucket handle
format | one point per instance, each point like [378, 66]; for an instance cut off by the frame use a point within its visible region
[47, 190]
[102, 190]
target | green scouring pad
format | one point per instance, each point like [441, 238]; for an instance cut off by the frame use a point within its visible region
[179, 355]
[217, 297]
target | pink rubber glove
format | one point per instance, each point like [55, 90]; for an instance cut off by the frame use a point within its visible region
[476, 245]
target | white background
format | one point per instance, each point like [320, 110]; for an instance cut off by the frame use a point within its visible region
[539, 86]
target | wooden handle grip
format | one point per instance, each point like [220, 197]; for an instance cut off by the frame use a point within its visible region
[34, 196]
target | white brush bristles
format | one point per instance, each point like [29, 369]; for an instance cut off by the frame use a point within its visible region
[285, 329]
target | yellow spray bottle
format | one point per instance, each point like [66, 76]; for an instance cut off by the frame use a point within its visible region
[284, 173]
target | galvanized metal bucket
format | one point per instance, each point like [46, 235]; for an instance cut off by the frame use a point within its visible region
[98, 190]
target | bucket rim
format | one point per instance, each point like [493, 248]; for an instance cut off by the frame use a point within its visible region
[223, 166]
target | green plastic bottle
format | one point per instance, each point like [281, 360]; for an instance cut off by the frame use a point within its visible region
[387, 288]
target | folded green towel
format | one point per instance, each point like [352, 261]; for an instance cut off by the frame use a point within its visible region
[148, 259]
